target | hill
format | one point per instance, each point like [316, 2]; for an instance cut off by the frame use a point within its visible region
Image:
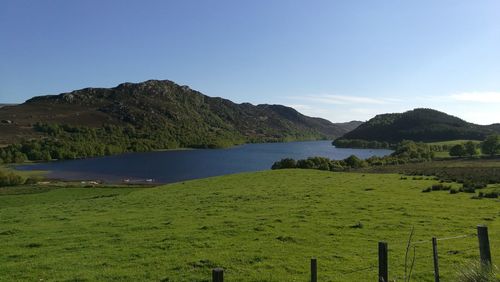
[261, 226]
[182, 115]
[425, 125]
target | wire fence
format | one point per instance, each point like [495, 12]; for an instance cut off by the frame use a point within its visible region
[422, 259]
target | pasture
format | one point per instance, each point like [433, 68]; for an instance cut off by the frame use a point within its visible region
[262, 226]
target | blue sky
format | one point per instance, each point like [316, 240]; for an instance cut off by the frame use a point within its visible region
[341, 60]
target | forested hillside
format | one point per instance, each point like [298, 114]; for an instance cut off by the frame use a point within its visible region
[419, 125]
[147, 116]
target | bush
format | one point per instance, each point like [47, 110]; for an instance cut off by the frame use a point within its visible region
[315, 163]
[416, 152]
[355, 162]
[284, 163]
[490, 195]
[474, 184]
[426, 190]
[467, 189]
[453, 191]
[458, 151]
[437, 187]
[440, 187]
[11, 179]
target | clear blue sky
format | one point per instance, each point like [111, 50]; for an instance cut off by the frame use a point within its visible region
[340, 60]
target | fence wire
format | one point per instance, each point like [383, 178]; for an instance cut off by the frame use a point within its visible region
[423, 254]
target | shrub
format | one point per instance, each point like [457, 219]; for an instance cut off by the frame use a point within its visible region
[320, 163]
[284, 163]
[355, 162]
[453, 191]
[11, 179]
[440, 187]
[428, 189]
[467, 189]
[458, 151]
[474, 184]
[437, 187]
[337, 166]
[491, 195]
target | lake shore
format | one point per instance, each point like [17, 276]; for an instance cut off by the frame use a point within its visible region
[178, 165]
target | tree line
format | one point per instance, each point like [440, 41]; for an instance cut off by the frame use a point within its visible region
[62, 142]
[490, 146]
[405, 152]
[361, 144]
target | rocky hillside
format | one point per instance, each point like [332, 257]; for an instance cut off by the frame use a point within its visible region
[189, 117]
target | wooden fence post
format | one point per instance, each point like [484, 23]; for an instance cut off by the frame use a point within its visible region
[314, 270]
[383, 273]
[217, 275]
[435, 255]
[484, 245]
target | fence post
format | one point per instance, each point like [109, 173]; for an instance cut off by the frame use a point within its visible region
[314, 270]
[217, 275]
[435, 255]
[383, 273]
[484, 245]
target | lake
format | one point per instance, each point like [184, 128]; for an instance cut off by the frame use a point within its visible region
[179, 165]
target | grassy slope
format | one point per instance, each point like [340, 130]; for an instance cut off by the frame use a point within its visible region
[258, 226]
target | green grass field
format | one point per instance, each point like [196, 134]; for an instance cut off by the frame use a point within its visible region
[261, 226]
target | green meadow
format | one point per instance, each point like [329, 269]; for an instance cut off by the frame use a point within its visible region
[262, 226]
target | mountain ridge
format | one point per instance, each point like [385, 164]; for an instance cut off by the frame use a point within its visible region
[165, 105]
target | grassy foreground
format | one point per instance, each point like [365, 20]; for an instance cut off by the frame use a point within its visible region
[257, 226]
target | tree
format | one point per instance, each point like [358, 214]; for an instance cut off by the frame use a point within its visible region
[284, 163]
[410, 150]
[491, 146]
[354, 162]
[458, 151]
[470, 148]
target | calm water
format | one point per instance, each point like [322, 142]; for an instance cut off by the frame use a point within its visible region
[173, 166]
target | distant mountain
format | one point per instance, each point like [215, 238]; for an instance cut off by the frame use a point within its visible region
[419, 125]
[349, 126]
[189, 117]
